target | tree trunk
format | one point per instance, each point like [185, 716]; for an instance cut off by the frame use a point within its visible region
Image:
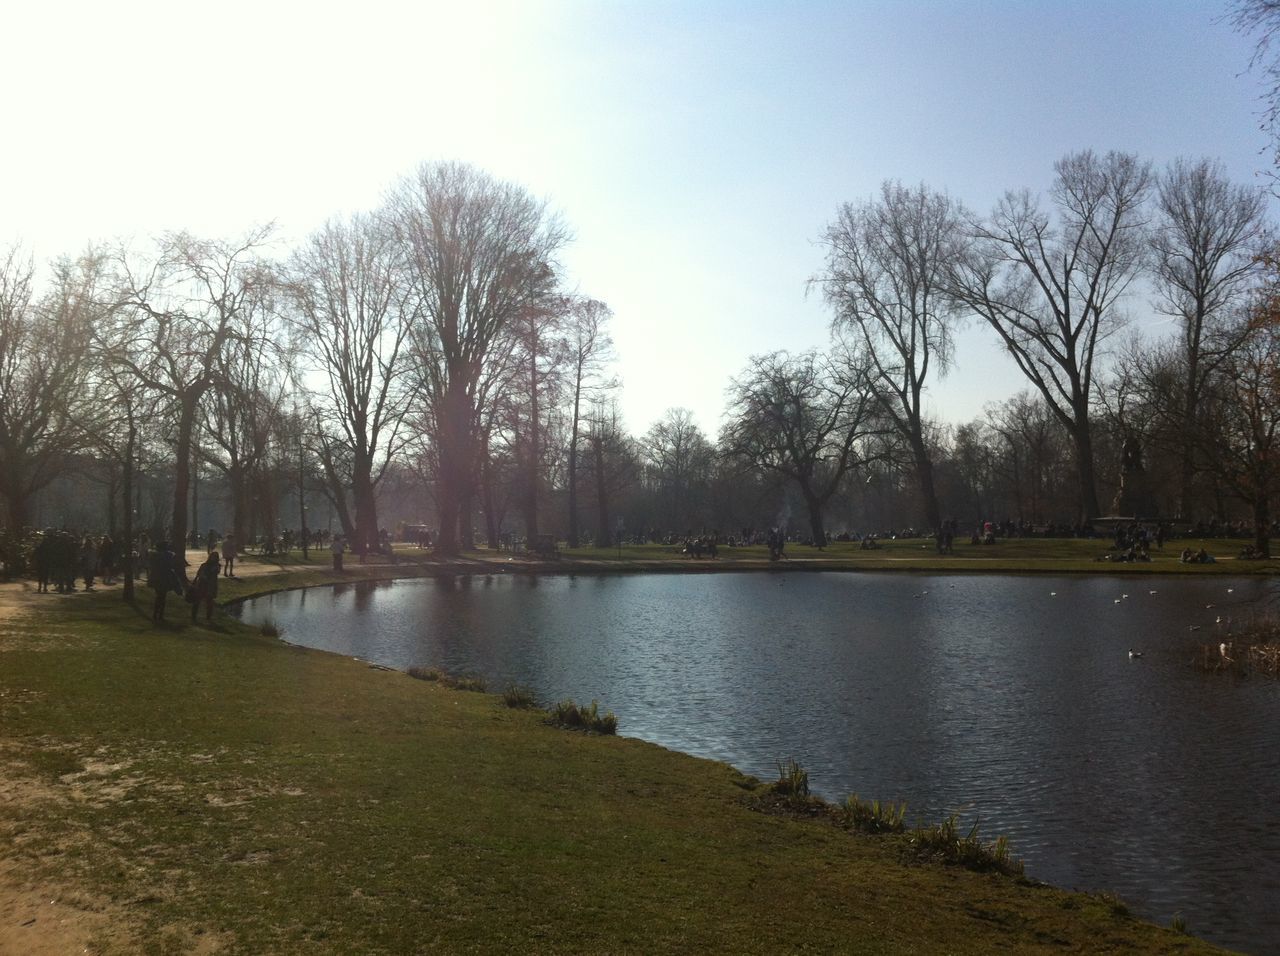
[534, 454]
[1186, 493]
[572, 474]
[486, 492]
[602, 496]
[466, 520]
[182, 471]
[1262, 525]
[814, 504]
[126, 546]
[195, 490]
[17, 498]
[366, 536]
[1080, 434]
[924, 475]
[447, 508]
[453, 421]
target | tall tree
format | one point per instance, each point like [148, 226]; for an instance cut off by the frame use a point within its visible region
[612, 465]
[1239, 429]
[1205, 243]
[535, 380]
[1048, 285]
[44, 365]
[589, 350]
[888, 262]
[180, 309]
[804, 417]
[351, 318]
[240, 412]
[478, 251]
[678, 464]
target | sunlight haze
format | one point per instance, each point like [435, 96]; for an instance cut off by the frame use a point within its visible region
[696, 151]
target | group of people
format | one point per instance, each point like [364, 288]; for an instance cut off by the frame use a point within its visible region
[60, 557]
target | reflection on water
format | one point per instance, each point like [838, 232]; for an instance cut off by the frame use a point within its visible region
[993, 696]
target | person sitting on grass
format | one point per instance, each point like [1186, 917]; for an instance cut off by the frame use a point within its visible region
[205, 588]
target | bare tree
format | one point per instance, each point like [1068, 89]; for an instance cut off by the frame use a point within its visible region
[590, 348]
[804, 417]
[535, 384]
[180, 310]
[1261, 18]
[678, 462]
[613, 464]
[350, 316]
[44, 365]
[1205, 243]
[478, 252]
[1049, 285]
[240, 412]
[1239, 429]
[888, 262]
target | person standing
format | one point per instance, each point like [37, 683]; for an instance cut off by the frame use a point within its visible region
[229, 555]
[162, 577]
[107, 559]
[206, 587]
[336, 548]
[88, 561]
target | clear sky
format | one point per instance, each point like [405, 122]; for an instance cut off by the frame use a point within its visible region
[697, 149]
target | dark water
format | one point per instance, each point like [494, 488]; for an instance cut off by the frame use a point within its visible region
[979, 694]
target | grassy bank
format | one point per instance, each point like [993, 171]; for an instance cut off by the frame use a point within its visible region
[205, 788]
[1007, 556]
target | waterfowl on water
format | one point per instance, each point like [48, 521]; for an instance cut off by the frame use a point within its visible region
[1134, 655]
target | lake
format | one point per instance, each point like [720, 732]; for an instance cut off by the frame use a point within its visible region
[1011, 699]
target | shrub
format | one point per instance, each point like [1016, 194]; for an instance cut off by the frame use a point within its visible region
[269, 628]
[520, 698]
[943, 841]
[793, 780]
[873, 816]
[1179, 925]
[568, 714]
[472, 682]
[425, 673]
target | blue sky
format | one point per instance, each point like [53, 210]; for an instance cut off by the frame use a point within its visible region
[697, 149]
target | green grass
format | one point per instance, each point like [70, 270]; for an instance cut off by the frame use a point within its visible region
[210, 783]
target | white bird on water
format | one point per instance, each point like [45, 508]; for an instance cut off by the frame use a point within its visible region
[1053, 594]
[1116, 601]
[1151, 592]
[1134, 655]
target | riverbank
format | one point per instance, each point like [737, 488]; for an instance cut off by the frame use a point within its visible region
[1006, 556]
[196, 788]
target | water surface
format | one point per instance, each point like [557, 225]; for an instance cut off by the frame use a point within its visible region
[992, 696]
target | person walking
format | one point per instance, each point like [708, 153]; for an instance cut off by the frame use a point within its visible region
[229, 555]
[205, 587]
